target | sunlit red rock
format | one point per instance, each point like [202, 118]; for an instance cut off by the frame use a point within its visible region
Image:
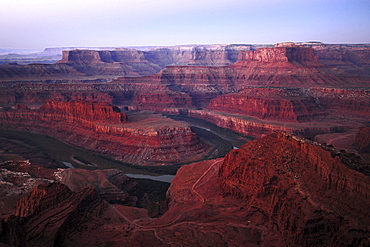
[103, 128]
[301, 190]
[279, 190]
[288, 105]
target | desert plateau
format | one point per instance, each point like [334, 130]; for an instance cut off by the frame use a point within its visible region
[187, 145]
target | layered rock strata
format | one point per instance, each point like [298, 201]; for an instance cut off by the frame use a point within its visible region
[165, 101]
[101, 127]
[48, 213]
[279, 190]
[121, 62]
[288, 105]
[351, 59]
[111, 185]
[302, 190]
[255, 127]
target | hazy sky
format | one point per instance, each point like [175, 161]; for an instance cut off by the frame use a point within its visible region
[55, 23]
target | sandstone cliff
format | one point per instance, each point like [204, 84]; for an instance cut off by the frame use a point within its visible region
[304, 191]
[351, 59]
[255, 127]
[283, 55]
[161, 101]
[288, 104]
[101, 127]
[279, 190]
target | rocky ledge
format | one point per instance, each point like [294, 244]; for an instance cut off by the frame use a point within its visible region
[103, 128]
[302, 190]
[279, 190]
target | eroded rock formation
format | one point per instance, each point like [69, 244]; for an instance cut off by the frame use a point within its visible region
[101, 127]
[111, 185]
[48, 214]
[279, 190]
[304, 191]
[255, 127]
[288, 104]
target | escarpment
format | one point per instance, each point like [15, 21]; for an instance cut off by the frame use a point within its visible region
[279, 190]
[49, 214]
[103, 128]
[304, 190]
[354, 60]
[161, 101]
[84, 110]
[289, 105]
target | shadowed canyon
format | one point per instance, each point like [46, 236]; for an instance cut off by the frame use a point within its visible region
[260, 145]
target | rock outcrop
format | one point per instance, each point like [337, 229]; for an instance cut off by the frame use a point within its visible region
[282, 54]
[48, 214]
[362, 140]
[83, 111]
[36, 94]
[345, 101]
[288, 104]
[103, 128]
[122, 61]
[279, 190]
[302, 190]
[255, 127]
[264, 89]
[111, 185]
[348, 58]
[161, 101]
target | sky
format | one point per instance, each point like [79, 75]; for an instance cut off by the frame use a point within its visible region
[37, 24]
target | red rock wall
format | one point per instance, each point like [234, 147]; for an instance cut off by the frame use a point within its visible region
[84, 110]
[351, 59]
[352, 101]
[301, 55]
[98, 127]
[304, 190]
[160, 101]
[286, 105]
[255, 128]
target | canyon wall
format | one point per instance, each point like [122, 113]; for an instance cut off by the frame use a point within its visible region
[343, 100]
[161, 101]
[288, 104]
[351, 59]
[279, 190]
[254, 127]
[33, 222]
[103, 128]
[303, 190]
[282, 54]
